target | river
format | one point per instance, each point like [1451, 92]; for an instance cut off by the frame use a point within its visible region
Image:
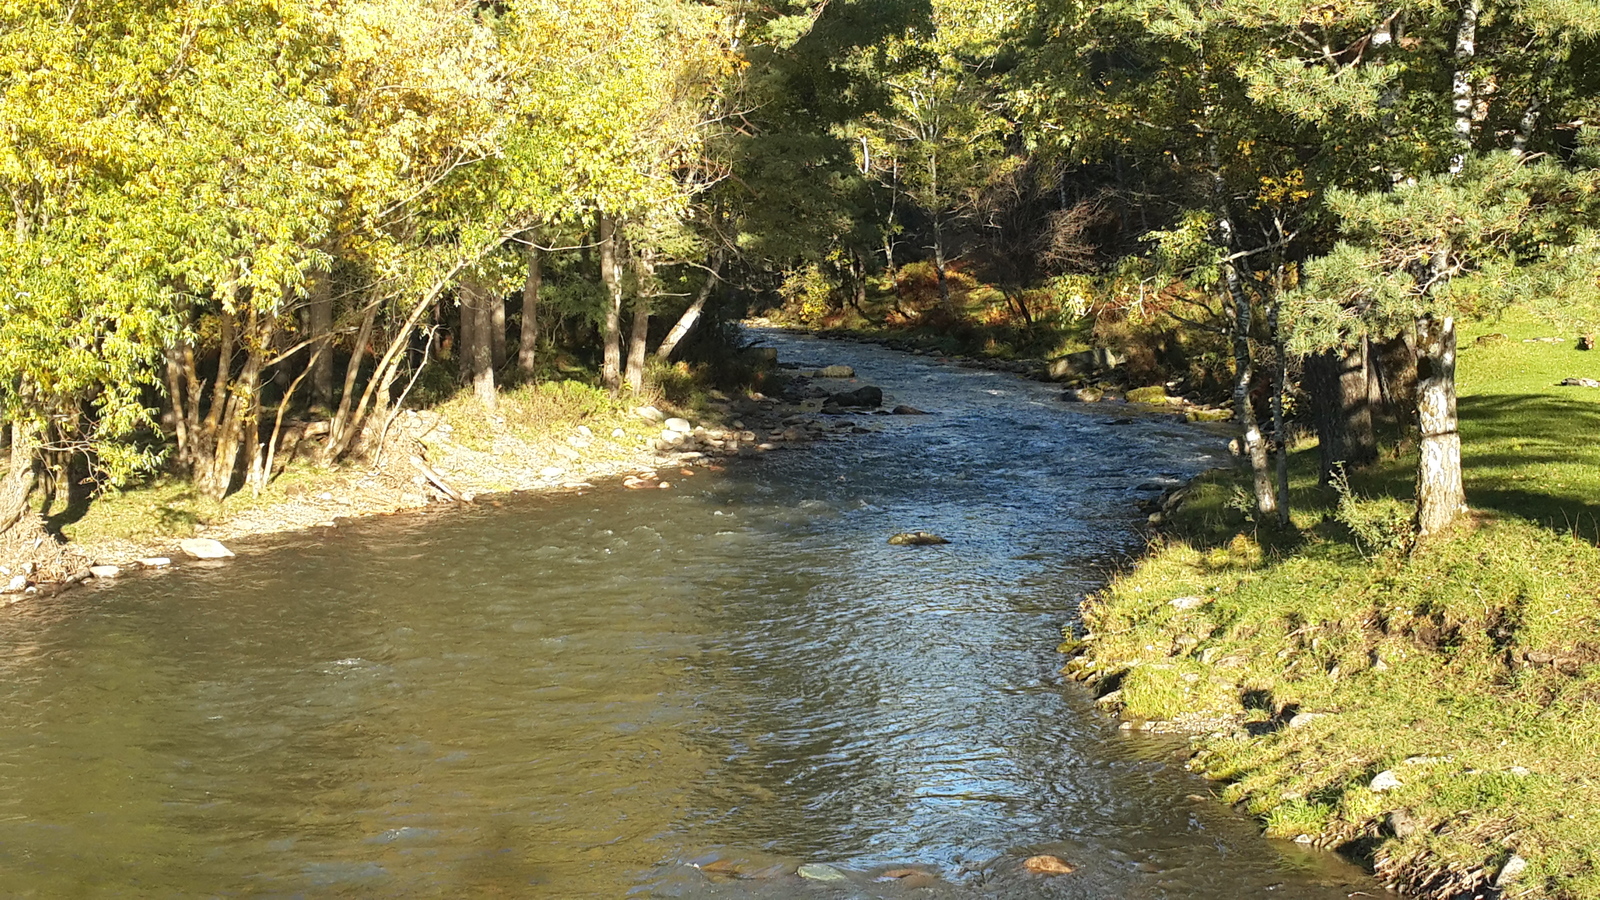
[665, 693]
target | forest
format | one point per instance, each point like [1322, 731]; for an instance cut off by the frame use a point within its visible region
[226, 216]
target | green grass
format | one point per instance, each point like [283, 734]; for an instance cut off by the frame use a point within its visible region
[1469, 666]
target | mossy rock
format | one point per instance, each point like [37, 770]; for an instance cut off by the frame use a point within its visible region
[1153, 394]
[1208, 415]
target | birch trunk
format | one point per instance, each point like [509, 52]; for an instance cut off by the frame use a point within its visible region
[686, 322]
[1440, 494]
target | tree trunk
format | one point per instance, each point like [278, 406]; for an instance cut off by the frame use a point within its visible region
[528, 345]
[236, 428]
[945, 303]
[17, 489]
[346, 421]
[319, 324]
[1338, 380]
[639, 334]
[1253, 444]
[1440, 495]
[466, 333]
[638, 340]
[1250, 438]
[495, 305]
[477, 352]
[686, 322]
[611, 277]
[1280, 379]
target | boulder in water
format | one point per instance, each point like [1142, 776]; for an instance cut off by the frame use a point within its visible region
[916, 539]
[866, 396]
[836, 372]
[1047, 865]
[1153, 394]
[205, 548]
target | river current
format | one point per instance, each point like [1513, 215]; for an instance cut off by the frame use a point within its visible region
[666, 693]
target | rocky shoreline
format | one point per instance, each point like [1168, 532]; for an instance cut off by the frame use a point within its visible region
[424, 462]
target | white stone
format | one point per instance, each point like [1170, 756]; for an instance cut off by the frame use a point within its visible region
[1520, 771]
[325, 495]
[1385, 781]
[105, 571]
[155, 562]
[650, 414]
[1300, 720]
[680, 425]
[586, 431]
[618, 432]
[552, 472]
[16, 585]
[1182, 603]
[1509, 872]
[205, 548]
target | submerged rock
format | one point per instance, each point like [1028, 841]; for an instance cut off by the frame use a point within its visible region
[820, 872]
[1082, 395]
[836, 372]
[205, 548]
[916, 539]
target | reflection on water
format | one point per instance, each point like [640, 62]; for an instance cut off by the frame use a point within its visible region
[682, 693]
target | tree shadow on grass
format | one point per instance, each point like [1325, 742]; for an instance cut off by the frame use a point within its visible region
[1534, 456]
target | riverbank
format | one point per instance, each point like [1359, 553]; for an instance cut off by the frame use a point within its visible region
[555, 436]
[1430, 711]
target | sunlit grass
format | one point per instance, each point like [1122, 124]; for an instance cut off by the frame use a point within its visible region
[1469, 665]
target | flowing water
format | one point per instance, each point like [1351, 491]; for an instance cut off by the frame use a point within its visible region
[671, 693]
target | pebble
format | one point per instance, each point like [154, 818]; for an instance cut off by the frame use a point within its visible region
[16, 585]
[650, 414]
[105, 571]
[679, 425]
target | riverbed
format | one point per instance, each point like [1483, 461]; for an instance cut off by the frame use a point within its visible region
[665, 693]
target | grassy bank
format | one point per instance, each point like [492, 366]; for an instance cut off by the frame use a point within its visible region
[1432, 710]
[551, 434]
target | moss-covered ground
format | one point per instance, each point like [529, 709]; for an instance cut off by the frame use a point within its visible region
[1467, 667]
